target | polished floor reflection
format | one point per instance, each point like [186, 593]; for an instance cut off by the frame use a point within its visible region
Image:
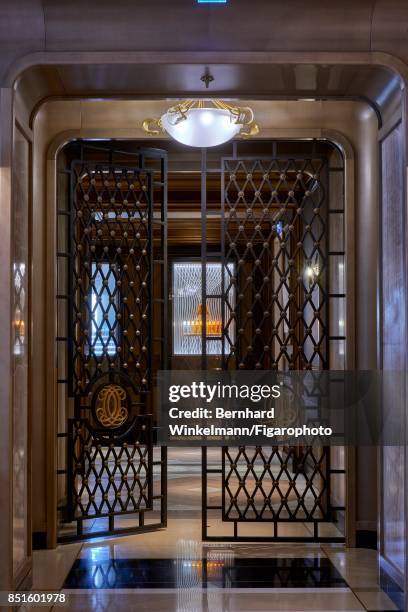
[167, 572]
[172, 570]
[224, 572]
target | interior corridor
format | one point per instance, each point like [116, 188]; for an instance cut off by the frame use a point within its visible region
[203, 189]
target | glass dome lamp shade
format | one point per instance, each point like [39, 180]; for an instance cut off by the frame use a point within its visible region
[203, 127]
[203, 124]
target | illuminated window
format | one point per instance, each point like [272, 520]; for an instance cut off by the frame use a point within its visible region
[188, 309]
[103, 299]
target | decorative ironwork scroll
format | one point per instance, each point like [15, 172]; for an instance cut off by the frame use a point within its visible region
[110, 410]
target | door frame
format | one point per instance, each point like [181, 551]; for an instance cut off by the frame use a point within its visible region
[57, 142]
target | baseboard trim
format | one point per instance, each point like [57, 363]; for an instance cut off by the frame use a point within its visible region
[366, 525]
[39, 540]
[366, 538]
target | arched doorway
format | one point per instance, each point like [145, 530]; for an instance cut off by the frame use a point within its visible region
[258, 218]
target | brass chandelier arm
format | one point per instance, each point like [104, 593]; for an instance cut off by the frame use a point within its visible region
[182, 107]
[152, 126]
[179, 111]
[242, 114]
[249, 130]
[245, 116]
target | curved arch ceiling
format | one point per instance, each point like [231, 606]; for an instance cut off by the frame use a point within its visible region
[62, 34]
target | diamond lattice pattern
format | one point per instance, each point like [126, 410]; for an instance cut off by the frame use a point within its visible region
[275, 232]
[111, 234]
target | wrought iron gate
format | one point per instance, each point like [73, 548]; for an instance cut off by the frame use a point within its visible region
[275, 251]
[111, 306]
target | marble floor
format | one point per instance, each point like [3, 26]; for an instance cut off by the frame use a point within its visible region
[172, 570]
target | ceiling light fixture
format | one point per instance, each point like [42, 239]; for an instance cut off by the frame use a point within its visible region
[204, 123]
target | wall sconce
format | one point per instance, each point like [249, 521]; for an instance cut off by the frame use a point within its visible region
[312, 271]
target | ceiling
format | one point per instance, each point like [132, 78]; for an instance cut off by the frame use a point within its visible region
[372, 83]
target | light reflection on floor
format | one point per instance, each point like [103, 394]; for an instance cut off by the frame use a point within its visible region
[202, 576]
[357, 567]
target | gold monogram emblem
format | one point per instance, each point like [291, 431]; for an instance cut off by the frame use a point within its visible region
[109, 408]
